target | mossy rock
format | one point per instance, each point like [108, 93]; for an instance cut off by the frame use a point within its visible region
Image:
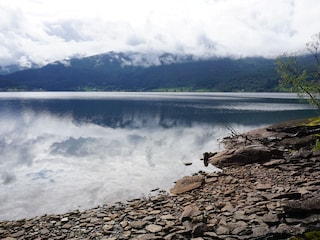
[314, 121]
[316, 147]
[308, 122]
[314, 235]
[300, 125]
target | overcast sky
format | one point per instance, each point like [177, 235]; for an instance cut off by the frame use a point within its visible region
[47, 30]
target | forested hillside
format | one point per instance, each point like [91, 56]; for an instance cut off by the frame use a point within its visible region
[118, 72]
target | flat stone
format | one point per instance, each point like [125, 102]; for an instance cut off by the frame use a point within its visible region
[148, 237]
[107, 227]
[66, 226]
[228, 208]
[66, 219]
[312, 219]
[18, 234]
[44, 231]
[190, 212]
[313, 183]
[154, 212]
[259, 231]
[167, 217]
[95, 220]
[293, 221]
[283, 229]
[213, 235]
[238, 227]
[187, 225]
[290, 195]
[138, 224]
[153, 228]
[274, 162]
[263, 187]
[271, 219]
[222, 230]
[240, 215]
[187, 184]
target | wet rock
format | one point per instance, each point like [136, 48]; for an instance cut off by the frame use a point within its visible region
[290, 195]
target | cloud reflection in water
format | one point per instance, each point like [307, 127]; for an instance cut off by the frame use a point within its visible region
[63, 154]
[54, 164]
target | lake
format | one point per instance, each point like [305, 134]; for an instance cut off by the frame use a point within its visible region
[62, 151]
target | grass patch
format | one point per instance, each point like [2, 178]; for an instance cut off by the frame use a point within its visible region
[314, 121]
[316, 147]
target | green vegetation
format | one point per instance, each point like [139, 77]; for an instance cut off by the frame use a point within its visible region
[314, 235]
[299, 78]
[108, 73]
[118, 72]
[314, 121]
[316, 148]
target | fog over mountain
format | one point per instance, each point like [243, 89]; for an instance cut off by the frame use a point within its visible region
[38, 32]
[117, 71]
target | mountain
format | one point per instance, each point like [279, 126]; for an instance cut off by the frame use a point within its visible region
[14, 68]
[137, 72]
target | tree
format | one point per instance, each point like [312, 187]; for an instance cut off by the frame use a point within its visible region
[303, 80]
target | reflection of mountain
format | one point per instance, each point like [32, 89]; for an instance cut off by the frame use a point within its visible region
[56, 154]
[153, 113]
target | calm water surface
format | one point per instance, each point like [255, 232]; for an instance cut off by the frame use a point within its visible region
[64, 151]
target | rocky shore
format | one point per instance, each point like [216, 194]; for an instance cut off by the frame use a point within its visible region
[269, 189]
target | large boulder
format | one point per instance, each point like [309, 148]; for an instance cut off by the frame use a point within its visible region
[303, 207]
[245, 155]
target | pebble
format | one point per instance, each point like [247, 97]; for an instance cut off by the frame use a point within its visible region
[153, 228]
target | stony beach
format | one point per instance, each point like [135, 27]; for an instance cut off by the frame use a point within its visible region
[269, 189]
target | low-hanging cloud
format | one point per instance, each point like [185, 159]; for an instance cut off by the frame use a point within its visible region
[44, 31]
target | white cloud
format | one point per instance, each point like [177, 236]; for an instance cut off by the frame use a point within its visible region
[56, 162]
[46, 30]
